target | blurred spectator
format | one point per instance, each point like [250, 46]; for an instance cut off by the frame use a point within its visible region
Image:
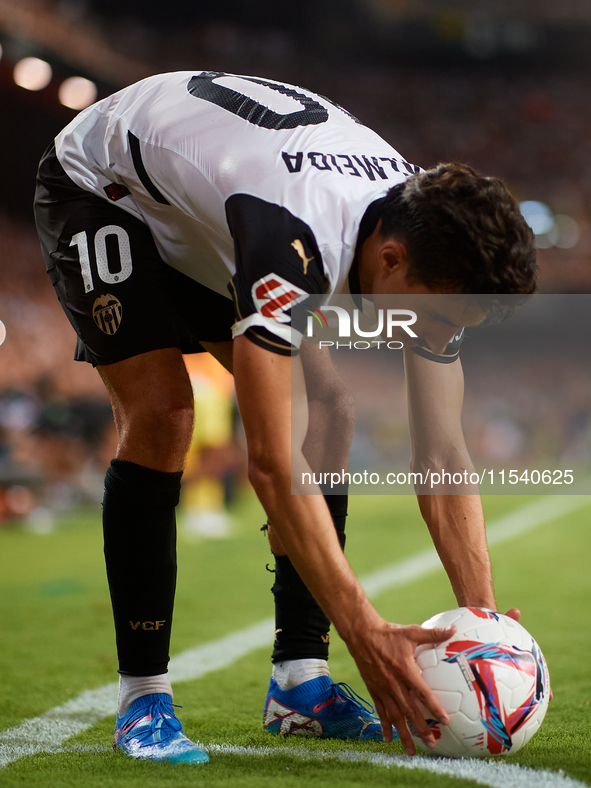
[52, 452]
[215, 461]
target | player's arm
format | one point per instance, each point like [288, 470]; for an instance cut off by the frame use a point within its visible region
[456, 522]
[384, 652]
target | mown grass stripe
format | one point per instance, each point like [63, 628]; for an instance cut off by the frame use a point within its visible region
[51, 729]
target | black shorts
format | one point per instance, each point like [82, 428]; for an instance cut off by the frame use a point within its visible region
[117, 292]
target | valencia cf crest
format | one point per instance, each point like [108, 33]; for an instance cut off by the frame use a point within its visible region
[107, 311]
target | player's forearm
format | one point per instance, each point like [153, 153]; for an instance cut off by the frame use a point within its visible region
[456, 524]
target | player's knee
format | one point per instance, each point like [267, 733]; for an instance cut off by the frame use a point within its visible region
[177, 418]
[165, 424]
[174, 419]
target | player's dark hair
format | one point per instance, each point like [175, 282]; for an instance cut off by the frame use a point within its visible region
[462, 230]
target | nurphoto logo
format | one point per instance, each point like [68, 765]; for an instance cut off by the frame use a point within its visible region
[387, 321]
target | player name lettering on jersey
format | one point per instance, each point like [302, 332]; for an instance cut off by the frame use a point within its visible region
[358, 166]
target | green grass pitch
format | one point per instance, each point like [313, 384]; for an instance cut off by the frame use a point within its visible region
[57, 641]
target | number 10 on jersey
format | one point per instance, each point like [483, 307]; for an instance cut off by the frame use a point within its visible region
[105, 273]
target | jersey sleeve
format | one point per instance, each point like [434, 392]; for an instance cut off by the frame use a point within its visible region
[451, 352]
[278, 265]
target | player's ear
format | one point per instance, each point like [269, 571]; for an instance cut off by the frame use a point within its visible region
[393, 257]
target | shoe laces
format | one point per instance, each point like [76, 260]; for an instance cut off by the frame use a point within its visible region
[163, 720]
[348, 694]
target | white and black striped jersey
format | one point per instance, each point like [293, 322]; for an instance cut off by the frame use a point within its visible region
[253, 188]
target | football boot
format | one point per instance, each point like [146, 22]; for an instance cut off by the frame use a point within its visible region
[150, 730]
[321, 708]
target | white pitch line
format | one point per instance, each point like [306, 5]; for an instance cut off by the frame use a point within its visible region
[51, 729]
[495, 774]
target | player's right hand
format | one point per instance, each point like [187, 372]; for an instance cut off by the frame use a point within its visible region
[385, 656]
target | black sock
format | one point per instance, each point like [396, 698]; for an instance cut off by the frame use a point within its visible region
[140, 552]
[301, 627]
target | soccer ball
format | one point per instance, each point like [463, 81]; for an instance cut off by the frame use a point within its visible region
[492, 680]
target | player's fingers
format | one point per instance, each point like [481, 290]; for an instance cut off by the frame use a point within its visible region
[385, 721]
[514, 613]
[420, 725]
[404, 711]
[405, 736]
[422, 635]
[398, 717]
[394, 711]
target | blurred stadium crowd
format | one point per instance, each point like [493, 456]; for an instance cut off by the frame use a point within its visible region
[502, 109]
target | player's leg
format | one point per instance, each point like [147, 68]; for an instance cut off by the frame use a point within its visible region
[125, 318]
[152, 403]
[153, 407]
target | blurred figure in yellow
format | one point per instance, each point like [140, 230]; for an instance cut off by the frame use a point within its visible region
[212, 460]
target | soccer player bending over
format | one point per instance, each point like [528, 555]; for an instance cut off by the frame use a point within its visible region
[188, 213]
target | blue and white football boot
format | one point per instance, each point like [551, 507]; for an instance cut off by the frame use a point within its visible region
[150, 730]
[321, 708]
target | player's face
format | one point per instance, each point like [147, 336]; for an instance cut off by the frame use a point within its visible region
[441, 314]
